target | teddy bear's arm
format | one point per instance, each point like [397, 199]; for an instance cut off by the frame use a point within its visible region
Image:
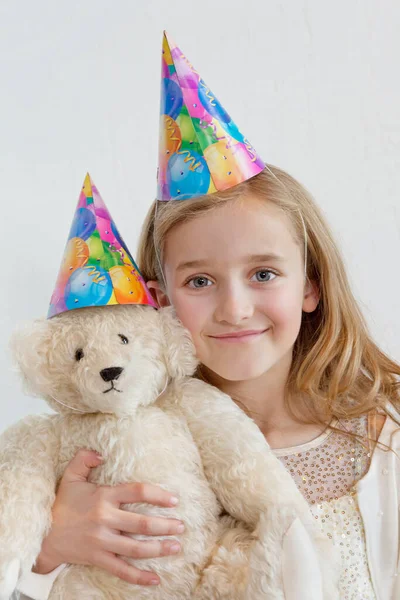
[239, 465]
[28, 452]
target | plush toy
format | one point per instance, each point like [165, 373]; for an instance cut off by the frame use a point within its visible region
[120, 378]
[113, 363]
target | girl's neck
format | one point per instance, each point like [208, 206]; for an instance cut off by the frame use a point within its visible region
[263, 399]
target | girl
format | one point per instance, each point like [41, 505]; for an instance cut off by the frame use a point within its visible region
[254, 274]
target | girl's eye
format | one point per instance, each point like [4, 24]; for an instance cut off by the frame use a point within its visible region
[79, 354]
[199, 282]
[264, 275]
[124, 339]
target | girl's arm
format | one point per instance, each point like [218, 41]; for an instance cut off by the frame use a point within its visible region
[37, 587]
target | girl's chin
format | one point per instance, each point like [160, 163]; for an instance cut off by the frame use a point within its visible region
[237, 373]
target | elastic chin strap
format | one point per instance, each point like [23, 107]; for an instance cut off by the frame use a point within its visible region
[301, 217]
[305, 245]
[165, 387]
[156, 249]
[70, 407]
[86, 412]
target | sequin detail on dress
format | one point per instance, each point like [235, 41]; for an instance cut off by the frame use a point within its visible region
[326, 471]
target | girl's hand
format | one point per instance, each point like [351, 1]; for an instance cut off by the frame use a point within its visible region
[88, 524]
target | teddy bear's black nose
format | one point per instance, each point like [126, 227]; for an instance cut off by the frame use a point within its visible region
[111, 373]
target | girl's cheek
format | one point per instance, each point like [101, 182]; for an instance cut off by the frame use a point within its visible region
[190, 313]
[283, 307]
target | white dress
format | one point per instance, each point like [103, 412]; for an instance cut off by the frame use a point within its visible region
[326, 470]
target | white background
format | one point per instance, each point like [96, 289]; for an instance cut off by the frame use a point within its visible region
[313, 84]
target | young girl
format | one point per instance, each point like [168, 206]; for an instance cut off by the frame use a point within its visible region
[255, 275]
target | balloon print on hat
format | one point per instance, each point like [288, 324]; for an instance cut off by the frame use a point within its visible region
[94, 258]
[201, 149]
[88, 286]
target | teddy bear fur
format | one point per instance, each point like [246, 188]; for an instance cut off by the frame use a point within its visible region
[155, 423]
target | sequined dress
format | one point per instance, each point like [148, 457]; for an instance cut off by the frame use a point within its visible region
[326, 470]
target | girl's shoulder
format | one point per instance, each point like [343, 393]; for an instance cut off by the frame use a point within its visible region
[392, 412]
[385, 426]
[376, 421]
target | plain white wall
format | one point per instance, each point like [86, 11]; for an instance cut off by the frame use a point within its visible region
[314, 85]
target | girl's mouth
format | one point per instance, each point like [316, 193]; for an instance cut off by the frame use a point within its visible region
[239, 336]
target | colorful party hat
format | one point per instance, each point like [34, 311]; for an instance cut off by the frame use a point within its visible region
[97, 268]
[201, 150]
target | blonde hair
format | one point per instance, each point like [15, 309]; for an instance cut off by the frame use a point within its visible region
[337, 368]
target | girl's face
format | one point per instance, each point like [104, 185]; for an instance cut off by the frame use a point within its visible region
[236, 279]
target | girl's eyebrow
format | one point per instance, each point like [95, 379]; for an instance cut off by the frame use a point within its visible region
[252, 258]
[265, 257]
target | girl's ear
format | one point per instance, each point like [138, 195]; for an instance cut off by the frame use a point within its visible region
[29, 345]
[179, 351]
[311, 296]
[158, 293]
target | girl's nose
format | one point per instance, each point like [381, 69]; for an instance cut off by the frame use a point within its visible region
[234, 305]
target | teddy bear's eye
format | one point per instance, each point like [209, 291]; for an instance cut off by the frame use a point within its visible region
[124, 339]
[79, 354]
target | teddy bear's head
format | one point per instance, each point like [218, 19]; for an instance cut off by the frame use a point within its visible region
[107, 359]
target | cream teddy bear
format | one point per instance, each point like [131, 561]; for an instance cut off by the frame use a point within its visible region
[112, 364]
[118, 373]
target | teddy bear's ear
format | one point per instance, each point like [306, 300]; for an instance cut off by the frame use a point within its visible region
[179, 351]
[29, 345]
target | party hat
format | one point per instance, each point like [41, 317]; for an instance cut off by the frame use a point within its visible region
[97, 268]
[201, 150]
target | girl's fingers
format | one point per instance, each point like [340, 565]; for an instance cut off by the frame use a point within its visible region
[79, 467]
[129, 493]
[125, 546]
[128, 522]
[120, 568]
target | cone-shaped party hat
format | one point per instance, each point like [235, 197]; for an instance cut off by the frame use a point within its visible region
[201, 150]
[97, 268]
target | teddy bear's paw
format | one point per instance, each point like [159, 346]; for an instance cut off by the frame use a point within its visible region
[9, 573]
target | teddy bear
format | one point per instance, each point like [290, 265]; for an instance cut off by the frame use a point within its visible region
[113, 364]
[119, 375]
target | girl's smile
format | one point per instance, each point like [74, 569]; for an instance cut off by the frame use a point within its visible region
[240, 336]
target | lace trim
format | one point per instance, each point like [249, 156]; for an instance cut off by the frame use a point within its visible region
[320, 439]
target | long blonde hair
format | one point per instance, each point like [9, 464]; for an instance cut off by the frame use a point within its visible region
[337, 368]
